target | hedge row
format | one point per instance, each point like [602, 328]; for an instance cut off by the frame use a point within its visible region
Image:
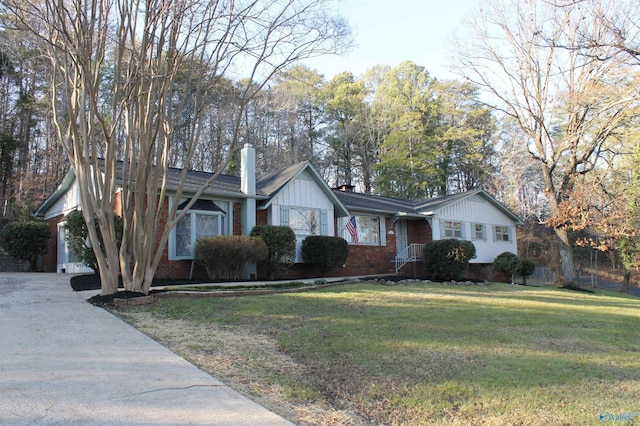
[25, 240]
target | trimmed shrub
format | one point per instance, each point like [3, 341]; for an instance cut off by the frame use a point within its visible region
[469, 248]
[25, 241]
[76, 237]
[527, 267]
[325, 253]
[447, 259]
[281, 244]
[224, 256]
[508, 263]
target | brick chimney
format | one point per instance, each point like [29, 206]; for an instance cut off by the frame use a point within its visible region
[345, 188]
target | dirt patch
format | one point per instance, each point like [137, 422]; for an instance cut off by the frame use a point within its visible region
[246, 361]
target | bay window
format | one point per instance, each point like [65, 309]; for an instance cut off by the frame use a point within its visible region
[204, 219]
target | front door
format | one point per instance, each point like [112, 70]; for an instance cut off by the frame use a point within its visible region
[401, 238]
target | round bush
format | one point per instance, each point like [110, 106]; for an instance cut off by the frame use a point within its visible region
[447, 259]
[507, 262]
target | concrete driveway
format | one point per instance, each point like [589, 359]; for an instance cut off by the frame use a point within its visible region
[64, 362]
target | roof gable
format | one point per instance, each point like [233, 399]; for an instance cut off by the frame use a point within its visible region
[273, 183]
[64, 186]
[433, 206]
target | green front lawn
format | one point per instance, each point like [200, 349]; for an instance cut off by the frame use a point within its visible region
[429, 353]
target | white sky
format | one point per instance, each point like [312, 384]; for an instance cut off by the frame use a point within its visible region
[388, 32]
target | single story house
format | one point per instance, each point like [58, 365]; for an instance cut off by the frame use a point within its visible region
[389, 232]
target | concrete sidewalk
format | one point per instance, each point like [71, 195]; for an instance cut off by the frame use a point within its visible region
[64, 361]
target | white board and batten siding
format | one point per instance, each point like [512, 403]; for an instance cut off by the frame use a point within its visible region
[303, 192]
[477, 210]
[67, 203]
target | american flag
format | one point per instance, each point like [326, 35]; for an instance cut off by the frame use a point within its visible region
[353, 231]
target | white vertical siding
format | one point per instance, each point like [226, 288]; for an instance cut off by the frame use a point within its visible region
[474, 210]
[69, 201]
[303, 191]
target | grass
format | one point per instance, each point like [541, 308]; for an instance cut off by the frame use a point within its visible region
[428, 353]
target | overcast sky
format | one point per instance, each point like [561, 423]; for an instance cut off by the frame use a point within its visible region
[388, 32]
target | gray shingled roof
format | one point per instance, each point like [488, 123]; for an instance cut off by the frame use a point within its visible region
[224, 184]
[374, 203]
[268, 186]
[398, 206]
[271, 183]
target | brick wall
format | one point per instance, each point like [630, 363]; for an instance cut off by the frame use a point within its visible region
[50, 259]
[418, 231]
[361, 260]
[261, 217]
[237, 219]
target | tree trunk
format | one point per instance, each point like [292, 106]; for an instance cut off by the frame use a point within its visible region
[625, 283]
[566, 258]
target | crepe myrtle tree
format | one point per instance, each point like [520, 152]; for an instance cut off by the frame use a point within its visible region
[122, 74]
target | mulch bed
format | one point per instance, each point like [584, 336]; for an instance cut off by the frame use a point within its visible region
[99, 300]
[92, 282]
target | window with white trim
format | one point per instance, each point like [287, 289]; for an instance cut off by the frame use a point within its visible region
[452, 229]
[304, 220]
[479, 232]
[502, 233]
[204, 219]
[367, 227]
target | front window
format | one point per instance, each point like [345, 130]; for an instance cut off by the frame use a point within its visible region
[367, 230]
[304, 221]
[452, 229]
[208, 220]
[478, 231]
[502, 233]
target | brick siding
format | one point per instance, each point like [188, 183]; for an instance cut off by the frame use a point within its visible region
[50, 259]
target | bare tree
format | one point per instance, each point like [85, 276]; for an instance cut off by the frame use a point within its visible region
[163, 57]
[568, 102]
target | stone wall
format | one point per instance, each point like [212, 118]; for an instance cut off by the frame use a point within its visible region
[9, 264]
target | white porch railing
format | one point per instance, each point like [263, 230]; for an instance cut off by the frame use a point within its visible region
[412, 253]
